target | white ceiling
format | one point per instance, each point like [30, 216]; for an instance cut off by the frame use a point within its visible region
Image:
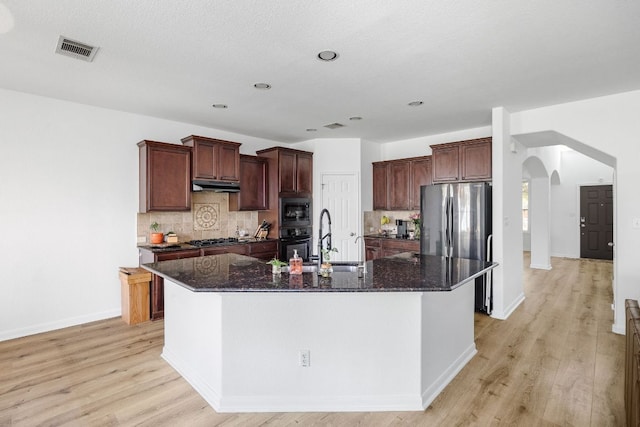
[174, 59]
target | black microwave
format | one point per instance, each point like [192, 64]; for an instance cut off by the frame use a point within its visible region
[295, 212]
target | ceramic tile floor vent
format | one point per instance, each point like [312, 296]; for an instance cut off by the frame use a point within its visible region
[334, 126]
[76, 49]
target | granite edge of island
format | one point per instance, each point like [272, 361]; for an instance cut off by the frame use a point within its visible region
[405, 272]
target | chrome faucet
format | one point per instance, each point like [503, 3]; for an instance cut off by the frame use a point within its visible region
[362, 268]
[322, 237]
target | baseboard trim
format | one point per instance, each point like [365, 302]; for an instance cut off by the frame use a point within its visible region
[447, 376]
[540, 266]
[504, 314]
[58, 324]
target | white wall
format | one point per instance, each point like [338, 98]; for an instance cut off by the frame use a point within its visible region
[610, 125]
[68, 204]
[416, 147]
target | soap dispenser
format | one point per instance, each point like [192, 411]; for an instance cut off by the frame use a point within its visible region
[295, 263]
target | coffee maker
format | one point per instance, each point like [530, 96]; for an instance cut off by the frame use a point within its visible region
[401, 229]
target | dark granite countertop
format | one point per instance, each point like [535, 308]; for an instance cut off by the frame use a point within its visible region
[404, 272]
[172, 247]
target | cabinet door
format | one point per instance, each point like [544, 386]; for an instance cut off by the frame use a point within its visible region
[287, 173]
[253, 195]
[165, 177]
[264, 250]
[304, 173]
[399, 190]
[157, 284]
[380, 185]
[398, 246]
[205, 158]
[420, 175]
[371, 248]
[445, 164]
[229, 162]
[475, 161]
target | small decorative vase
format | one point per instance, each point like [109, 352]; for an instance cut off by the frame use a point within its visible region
[326, 269]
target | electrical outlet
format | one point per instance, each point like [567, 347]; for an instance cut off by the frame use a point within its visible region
[142, 239]
[305, 358]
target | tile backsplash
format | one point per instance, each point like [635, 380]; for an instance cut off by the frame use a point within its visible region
[372, 220]
[209, 218]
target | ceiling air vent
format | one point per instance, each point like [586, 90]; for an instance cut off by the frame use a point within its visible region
[76, 49]
[334, 126]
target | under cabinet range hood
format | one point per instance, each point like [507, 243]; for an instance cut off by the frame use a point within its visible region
[217, 186]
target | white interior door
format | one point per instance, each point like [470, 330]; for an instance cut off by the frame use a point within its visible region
[341, 196]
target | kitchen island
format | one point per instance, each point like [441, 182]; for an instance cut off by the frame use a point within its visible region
[249, 341]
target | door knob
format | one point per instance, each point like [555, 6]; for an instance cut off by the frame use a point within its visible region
[611, 244]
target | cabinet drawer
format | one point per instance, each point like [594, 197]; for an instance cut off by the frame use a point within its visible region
[401, 245]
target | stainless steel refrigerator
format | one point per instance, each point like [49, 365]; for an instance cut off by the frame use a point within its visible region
[456, 222]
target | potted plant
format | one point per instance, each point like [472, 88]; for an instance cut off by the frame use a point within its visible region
[276, 265]
[325, 268]
[156, 235]
[172, 237]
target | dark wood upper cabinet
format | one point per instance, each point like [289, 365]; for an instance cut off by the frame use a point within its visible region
[292, 170]
[254, 194]
[214, 158]
[420, 175]
[446, 163]
[475, 160]
[462, 161]
[165, 177]
[399, 184]
[396, 183]
[380, 191]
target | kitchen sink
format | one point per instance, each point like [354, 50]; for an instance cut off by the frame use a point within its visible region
[338, 267]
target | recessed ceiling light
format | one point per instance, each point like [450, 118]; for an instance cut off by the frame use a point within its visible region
[220, 106]
[312, 130]
[415, 103]
[328, 55]
[262, 86]
[355, 118]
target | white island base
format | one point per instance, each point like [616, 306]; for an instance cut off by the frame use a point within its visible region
[368, 351]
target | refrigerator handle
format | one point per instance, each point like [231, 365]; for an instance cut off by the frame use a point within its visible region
[446, 226]
[488, 302]
[450, 217]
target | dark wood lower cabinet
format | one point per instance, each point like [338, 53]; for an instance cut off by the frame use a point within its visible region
[382, 247]
[157, 282]
[264, 250]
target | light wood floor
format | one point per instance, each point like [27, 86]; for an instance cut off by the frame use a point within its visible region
[555, 361]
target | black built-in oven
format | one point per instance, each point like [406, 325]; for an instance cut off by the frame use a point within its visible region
[295, 228]
[295, 212]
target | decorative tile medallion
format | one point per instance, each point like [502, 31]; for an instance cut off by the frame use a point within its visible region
[206, 216]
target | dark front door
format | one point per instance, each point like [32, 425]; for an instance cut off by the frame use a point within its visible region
[596, 221]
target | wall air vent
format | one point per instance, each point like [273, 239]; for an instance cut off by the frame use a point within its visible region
[334, 126]
[76, 49]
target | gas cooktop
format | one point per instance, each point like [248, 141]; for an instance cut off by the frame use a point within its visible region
[213, 242]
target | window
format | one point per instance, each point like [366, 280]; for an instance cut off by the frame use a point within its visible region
[525, 206]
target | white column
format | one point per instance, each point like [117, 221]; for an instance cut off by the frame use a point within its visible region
[507, 157]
